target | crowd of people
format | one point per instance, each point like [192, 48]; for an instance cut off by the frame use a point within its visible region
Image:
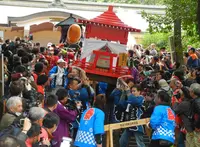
[47, 100]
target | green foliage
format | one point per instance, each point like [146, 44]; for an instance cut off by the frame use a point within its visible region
[153, 2]
[190, 40]
[120, 1]
[145, 2]
[158, 23]
[160, 39]
[184, 10]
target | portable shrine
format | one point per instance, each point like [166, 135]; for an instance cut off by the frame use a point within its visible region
[104, 50]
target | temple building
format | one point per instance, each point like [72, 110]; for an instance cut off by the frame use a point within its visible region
[39, 18]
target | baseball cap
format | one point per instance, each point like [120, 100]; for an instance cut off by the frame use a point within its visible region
[61, 61]
[49, 44]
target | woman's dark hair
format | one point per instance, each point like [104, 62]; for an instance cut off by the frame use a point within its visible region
[7, 41]
[130, 53]
[40, 98]
[147, 52]
[51, 100]
[30, 57]
[179, 74]
[37, 44]
[156, 59]
[53, 45]
[42, 79]
[35, 51]
[193, 49]
[164, 97]
[34, 130]
[186, 92]
[56, 52]
[161, 57]
[17, 63]
[143, 56]
[16, 59]
[186, 54]
[167, 75]
[16, 88]
[21, 52]
[39, 67]
[163, 48]
[62, 93]
[20, 69]
[24, 59]
[17, 39]
[50, 120]
[42, 49]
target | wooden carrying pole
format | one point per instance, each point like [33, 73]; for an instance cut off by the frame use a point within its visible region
[110, 127]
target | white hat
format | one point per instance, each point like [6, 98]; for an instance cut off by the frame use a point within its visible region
[49, 44]
[61, 61]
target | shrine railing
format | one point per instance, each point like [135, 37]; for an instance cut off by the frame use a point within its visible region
[112, 72]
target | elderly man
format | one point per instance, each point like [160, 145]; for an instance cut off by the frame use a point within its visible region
[195, 94]
[58, 74]
[153, 51]
[14, 106]
[36, 115]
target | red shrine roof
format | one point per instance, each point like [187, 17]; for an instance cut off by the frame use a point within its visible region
[109, 19]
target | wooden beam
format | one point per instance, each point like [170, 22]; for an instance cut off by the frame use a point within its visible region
[100, 78]
[111, 137]
[126, 124]
[111, 127]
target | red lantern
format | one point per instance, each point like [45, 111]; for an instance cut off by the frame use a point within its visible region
[73, 34]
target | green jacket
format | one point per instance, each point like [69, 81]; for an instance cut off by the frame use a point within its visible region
[7, 120]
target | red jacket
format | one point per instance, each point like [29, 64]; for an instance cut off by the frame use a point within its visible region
[40, 89]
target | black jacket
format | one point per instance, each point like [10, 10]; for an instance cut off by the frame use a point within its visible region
[183, 109]
[196, 112]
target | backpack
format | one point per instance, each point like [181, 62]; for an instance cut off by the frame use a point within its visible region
[14, 129]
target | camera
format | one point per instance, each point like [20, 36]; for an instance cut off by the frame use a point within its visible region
[31, 99]
[76, 94]
[71, 104]
[21, 121]
[149, 87]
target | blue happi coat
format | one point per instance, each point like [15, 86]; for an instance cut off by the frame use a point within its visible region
[54, 70]
[134, 106]
[162, 121]
[92, 123]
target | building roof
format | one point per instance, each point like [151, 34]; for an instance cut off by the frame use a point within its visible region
[26, 16]
[109, 19]
[69, 21]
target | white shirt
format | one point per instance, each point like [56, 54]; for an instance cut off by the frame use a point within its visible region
[59, 78]
[153, 52]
